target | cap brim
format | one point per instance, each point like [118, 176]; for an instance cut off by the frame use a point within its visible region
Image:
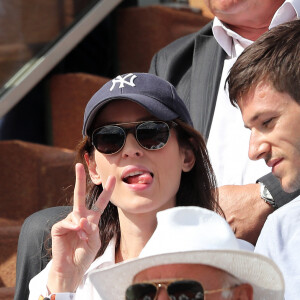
[156, 108]
[257, 270]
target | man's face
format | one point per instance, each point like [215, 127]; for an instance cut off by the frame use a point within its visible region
[243, 12]
[274, 121]
[210, 278]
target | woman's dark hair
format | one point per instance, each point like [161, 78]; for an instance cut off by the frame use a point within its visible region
[197, 187]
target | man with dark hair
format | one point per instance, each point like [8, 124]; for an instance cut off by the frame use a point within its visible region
[274, 59]
[197, 66]
[264, 82]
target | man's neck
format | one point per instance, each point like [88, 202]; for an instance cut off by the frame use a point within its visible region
[249, 33]
[251, 23]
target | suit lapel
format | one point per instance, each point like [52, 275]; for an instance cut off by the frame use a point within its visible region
[207, 69]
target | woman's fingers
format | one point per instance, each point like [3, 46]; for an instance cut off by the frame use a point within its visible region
[89, 226]
[64, 226]
[101, 203]
[79, 208]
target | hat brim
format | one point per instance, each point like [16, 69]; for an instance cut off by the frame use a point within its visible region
[156, 108]
[257, 270]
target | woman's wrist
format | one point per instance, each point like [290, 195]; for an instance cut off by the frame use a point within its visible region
[61, 283]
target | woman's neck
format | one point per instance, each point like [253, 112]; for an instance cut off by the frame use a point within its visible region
[135, 233]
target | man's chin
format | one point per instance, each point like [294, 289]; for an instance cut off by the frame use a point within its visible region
[290, 186]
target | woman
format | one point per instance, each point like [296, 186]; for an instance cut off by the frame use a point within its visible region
[140, 145]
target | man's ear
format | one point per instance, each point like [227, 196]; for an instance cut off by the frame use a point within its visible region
[90, 162]
[188, 159]
[243, 292]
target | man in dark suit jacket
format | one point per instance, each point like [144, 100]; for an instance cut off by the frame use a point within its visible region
[193, 64]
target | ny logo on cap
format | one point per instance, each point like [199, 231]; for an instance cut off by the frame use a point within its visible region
[122, 81]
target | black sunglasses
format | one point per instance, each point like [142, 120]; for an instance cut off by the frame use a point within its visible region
[177, 289]
[151, 135]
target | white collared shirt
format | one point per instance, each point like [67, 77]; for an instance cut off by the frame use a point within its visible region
[280, 241]
[228, 140]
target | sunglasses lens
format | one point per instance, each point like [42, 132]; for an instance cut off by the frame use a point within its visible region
[186, 289]
[108, 139]
[141, 291]
[153, 135]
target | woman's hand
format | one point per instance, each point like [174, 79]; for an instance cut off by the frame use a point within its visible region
[75, 240]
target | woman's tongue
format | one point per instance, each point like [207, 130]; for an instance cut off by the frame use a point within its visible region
[144, 178]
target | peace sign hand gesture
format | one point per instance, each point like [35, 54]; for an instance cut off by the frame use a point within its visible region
[75, 240]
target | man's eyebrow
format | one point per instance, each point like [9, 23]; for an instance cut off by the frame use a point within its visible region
[253, 119]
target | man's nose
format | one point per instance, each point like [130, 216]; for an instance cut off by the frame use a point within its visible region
[162, 294]
[132, 148]
[258, 146]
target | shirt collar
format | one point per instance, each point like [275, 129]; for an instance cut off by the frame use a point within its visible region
[232, 42]
[227, 38]
[288, 11]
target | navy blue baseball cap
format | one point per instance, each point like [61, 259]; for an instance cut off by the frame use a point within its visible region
[156, 95]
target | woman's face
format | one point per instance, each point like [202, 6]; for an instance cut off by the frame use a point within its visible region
[145, 180]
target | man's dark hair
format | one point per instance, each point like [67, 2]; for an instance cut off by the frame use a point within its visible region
[274, 58]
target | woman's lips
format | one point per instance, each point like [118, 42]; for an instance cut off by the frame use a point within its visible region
[137, 177]
[145, 178]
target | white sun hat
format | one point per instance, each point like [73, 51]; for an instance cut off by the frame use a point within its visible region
[193, 235]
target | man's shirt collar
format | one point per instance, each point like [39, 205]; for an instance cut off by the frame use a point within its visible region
[233, 43]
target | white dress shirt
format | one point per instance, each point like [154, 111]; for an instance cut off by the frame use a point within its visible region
[280, 241]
